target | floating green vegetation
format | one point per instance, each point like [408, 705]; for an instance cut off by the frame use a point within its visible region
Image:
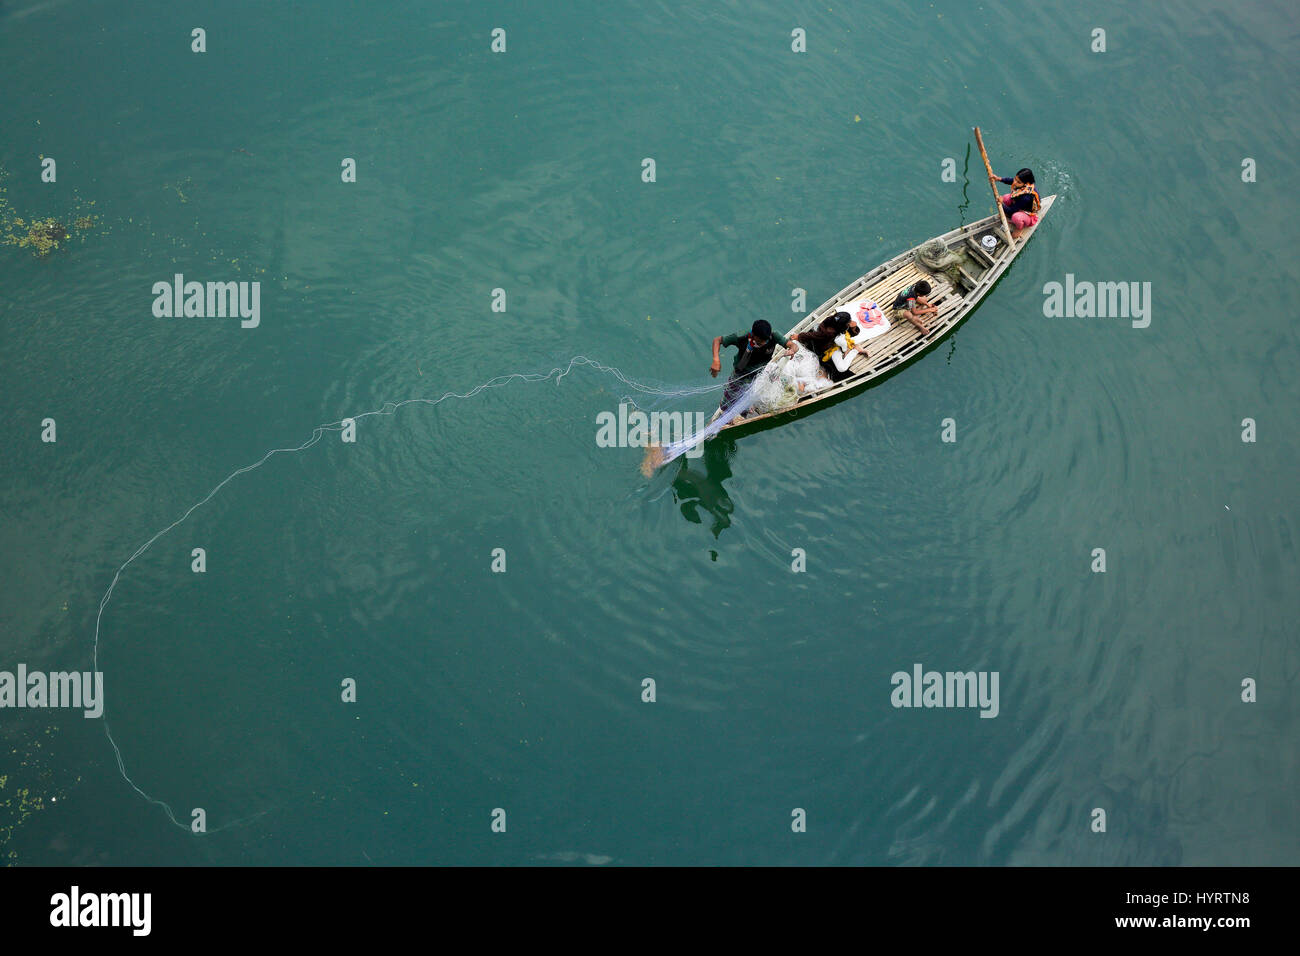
[27, 787]
[180, 187]
[42, 236]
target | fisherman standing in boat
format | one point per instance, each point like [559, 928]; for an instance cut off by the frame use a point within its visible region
[755, 350]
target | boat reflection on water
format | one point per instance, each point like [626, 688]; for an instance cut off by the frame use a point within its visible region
[698, 485]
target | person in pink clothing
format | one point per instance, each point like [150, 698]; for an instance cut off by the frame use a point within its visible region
[1022, 203]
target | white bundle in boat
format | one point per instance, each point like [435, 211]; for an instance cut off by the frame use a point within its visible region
[786, 379]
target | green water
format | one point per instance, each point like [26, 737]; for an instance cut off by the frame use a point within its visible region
[522, 690]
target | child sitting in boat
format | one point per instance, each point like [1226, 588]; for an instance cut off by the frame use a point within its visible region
[1022, 203]
[912, 303]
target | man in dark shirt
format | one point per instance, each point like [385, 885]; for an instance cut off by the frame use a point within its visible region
[755, 350]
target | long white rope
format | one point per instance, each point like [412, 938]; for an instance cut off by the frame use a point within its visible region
[388, 408]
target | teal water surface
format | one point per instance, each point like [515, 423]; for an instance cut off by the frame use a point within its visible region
[523, 690]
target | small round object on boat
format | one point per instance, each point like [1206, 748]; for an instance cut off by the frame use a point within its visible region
[989, 242]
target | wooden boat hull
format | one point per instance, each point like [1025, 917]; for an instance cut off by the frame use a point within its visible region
[903, 343]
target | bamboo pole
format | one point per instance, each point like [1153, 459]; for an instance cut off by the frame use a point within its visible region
[997, 200]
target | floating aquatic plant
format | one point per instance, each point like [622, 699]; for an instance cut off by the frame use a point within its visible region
[29, 785]
[41, 236]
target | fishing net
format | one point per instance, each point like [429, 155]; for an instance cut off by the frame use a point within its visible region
[656, 456]
[788, 379]
[778, 386]
[646, 392]
[775, 388]
[936, 258]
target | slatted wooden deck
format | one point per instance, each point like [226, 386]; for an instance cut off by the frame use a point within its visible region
[904, 341]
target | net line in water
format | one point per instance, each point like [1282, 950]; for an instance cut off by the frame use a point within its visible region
[661, 393]
[657, 456]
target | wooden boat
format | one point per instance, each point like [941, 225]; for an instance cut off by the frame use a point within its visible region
[903, 342]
